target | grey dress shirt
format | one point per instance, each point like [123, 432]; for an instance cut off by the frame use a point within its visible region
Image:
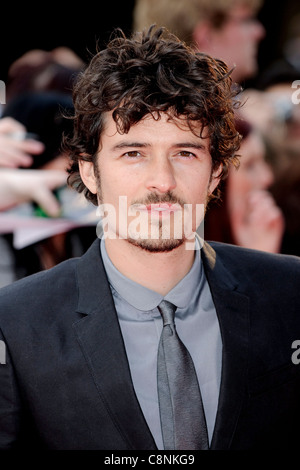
[141, 324]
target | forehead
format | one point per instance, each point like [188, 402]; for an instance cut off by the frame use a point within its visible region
[162, 124]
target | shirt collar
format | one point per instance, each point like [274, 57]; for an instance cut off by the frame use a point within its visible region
[145, 299]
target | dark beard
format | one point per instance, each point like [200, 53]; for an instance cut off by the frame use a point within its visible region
[160, 245]
[157, 246]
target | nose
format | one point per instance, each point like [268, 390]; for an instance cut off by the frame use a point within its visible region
[161, 177]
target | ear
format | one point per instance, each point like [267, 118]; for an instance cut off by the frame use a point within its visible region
[87, 174]
[215, 179]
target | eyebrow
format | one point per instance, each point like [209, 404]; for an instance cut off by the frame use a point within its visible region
[192, 145]
[122, 145]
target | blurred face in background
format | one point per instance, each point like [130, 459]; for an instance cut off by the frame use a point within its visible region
[236, 41]
[253, 177]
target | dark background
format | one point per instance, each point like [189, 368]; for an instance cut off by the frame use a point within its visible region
[80, 26]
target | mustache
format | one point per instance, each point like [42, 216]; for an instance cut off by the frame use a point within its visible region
[154, 198]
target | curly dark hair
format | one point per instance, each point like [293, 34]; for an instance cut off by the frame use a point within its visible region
[152, 72]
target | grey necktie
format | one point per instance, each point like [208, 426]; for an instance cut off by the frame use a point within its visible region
[181, 409]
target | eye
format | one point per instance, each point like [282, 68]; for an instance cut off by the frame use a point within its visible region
[186, 154]
[132, 154]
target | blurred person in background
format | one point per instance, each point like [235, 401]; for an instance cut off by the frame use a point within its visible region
[225, 29]
[247, 214]
[41, 70]
[38, 90]
[19, 185]
[44, 115]
[274, 107]
[36, 70]
[18, 149]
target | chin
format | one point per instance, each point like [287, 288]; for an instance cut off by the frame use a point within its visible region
[157, 246]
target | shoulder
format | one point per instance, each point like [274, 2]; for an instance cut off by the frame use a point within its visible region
[49, 290]
[38, 303]
[251, 256]
[42, 287]
[268, 283]
[56, 279]
[245, 263]
[47, 302]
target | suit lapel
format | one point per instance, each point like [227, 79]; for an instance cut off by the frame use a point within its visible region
[232, 311]
[100, 338]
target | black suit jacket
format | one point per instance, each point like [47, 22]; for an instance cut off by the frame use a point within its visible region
[66, 383]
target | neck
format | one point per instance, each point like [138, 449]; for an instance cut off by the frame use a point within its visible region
[159, 272]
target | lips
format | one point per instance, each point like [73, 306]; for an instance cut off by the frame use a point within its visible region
[156, 208]
[163, 207]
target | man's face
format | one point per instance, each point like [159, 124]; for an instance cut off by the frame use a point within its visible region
[155, 180]
[237, 40]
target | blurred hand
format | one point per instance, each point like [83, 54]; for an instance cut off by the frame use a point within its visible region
[15, 151]
[260, 224]
[18, 186]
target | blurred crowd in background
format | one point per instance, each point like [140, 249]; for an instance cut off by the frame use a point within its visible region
[260, 201]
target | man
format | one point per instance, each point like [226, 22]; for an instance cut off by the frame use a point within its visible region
[226, 29]
[88, 350]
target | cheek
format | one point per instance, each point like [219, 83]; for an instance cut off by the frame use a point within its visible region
[195, 192]
[115, 184]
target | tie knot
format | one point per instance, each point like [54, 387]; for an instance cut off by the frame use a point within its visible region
[167, 311]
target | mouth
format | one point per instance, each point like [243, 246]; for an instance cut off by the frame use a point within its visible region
[159, 208]
[163, 207]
